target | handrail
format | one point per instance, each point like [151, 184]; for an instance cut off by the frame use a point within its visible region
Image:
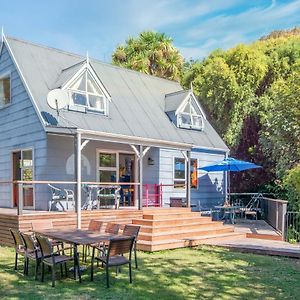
[275, 200]
[68, 182]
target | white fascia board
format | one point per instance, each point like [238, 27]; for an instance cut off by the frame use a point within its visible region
[24, 82]
[198, 105]
[183, 103]
[119, 138]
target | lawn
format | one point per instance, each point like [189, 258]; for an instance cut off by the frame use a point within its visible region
[200, 273]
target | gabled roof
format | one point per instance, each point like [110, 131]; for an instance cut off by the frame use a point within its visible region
[67, 74]
[173, 100]
[137, 105]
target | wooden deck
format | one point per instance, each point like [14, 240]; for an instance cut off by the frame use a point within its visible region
[164, 228]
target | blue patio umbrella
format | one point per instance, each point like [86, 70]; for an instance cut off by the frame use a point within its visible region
[230, 164]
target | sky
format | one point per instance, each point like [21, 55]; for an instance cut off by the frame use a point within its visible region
[98, 26]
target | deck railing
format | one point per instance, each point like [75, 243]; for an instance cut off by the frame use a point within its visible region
[292, 233]
[271, 210]
[23, 184]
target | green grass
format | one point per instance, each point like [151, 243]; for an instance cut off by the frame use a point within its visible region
[203, 273]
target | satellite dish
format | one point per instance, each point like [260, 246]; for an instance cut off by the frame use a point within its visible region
[58, 99]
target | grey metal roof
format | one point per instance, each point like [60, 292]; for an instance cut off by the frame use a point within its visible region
[173, 100]
[137, 106]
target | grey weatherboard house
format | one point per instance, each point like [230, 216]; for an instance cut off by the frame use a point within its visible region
[120, 125]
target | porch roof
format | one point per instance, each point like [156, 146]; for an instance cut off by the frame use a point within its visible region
[119, 138]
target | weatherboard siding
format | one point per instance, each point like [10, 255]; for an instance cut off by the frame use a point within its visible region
[20, 128]
[210, 189]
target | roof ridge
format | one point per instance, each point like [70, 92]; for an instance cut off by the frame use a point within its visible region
[91, 59]
[178, 92]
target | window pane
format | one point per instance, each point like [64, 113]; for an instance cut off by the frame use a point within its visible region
[194, 174]
[27, 158]
[92, 87]
[27, 174]
[186, 119]
[197, 121]
[108, 176]
[4, 91]
[108, 160]
[179, 168]
[28, 196]
[96, 102]
[79, 99]
[79, 84]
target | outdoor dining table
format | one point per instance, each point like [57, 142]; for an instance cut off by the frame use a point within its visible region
[230, 209]
[77, 237]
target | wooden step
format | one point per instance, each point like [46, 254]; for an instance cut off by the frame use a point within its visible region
[184, 233]
[263, 236]
[165, 209]
[175, 243]
[170, 215]
[171, 221]
[174, 228]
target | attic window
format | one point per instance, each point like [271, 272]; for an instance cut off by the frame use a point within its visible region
[190, 116]
[4, 90]
[85, 92]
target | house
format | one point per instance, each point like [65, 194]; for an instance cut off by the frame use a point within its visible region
[118, 125]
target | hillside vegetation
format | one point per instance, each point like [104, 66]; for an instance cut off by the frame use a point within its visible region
[252, 95]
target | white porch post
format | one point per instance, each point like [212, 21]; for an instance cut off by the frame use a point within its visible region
[78, 179]
[188, 179]
[141, 177]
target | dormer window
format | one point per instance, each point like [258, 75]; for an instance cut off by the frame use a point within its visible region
[190, 116]
[184, 110]
[86, 93]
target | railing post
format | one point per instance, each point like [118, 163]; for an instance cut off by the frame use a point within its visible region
[160, 194]
[284, 221]
[147, 194]
[20, 200]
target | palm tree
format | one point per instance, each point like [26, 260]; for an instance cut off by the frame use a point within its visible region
[151, 53]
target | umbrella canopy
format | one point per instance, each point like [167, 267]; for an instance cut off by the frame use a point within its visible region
[230, 164]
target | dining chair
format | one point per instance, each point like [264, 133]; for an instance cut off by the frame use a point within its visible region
[112, 228]
[94, 225]
[45, 224]
[115, 256]
[51, 258]
[32, 252]
[132, 230]
[19, 247]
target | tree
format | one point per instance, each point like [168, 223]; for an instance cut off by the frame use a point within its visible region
[251, 92]
[151, 53]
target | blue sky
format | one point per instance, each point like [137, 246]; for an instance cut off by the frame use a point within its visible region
[197, 27]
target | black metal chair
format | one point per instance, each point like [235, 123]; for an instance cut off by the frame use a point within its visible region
[51, 258]
[115, 256]
[132, 230]
[19, 247]
[32, 252]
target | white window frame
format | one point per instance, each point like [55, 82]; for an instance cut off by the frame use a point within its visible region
[185, 173]
[22, 173]
[85, 73]
[190, 115]
[3, 76]
[114, 169]
[175, 179]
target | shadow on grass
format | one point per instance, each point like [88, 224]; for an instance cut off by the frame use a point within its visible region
[204, 273]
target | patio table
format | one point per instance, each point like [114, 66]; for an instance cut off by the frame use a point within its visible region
[77, 237]
[230, 209]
